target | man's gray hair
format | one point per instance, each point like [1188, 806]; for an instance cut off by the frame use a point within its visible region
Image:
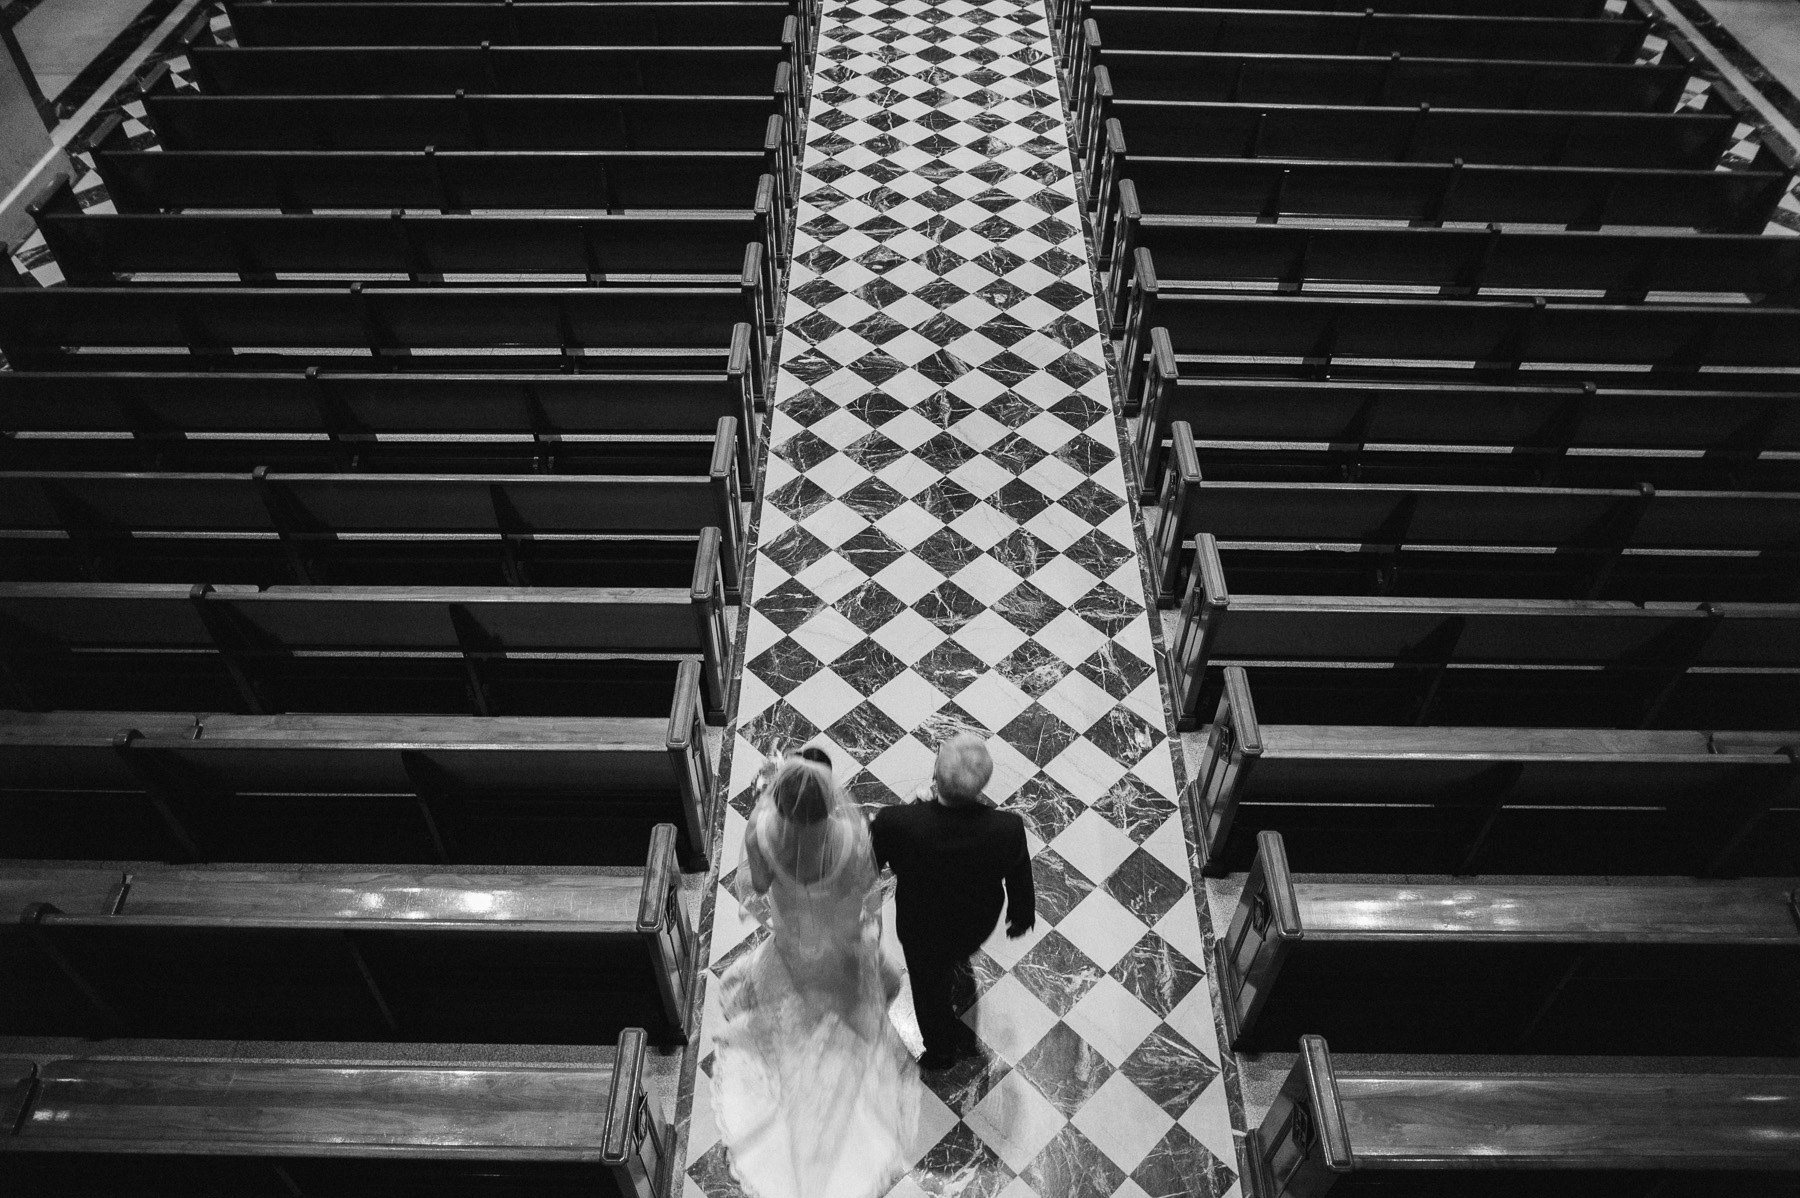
[963, 768]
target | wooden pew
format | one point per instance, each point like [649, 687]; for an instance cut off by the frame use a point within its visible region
[1366, 798]
[466, 122]
[1632, 663]
[317, 516]
[1365, 31]
[529, 70]
[1489, 967]
[452, 650]
[161, 411]
[1511, 137]
[428, 790]
[1397, 80]
[1426, 193]
[86, 1128]
[531, 23]
[1373, 1129]
[41, 326]
[1490, 335]
[1185, 252]
[682, 249]
[1544, 418]
[320, 955]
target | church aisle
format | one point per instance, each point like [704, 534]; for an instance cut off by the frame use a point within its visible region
[947, 540]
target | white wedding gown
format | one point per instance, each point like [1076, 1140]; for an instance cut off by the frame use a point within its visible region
[816, 1096]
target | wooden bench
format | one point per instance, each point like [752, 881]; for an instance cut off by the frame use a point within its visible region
[1366, 798]
[1376, 1130]
[1393, 79]
[429, 790]
[681, 249]
[491, 69]
[1515, 137]
[1482, 335]
[320, 955]
[312, 519]
[1544, 418]
[531, 23]
[452, 650]
[1366, 31]
[1490, 967]
[1428, 193]
[160, 411]
[1627, 660]
[42, 327]
[1187, 252]
[359, 1129]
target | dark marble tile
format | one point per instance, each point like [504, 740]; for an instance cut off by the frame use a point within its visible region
[941, 293]
[1115, 669]
[878, 328]
[1086, 454]
[1132, 807]
[789, 605]
[1145, 886]
[872, 499]
[1019, 500]
[1124, 735]
[942, 329]
[1011, 409]
[1078, 410]
[870, 793]
[804, 450]
[1046, 806]
[879, 293]
[1008, 368]
[712, 1173]
[875, 407]
[946, 551]
[1003, 295]
[1157, 973]
[778, 727]
[1181, 1167]
[807, 407]
[945, 722]
[814, 327]
[784, 665]
[868, 667]
[945, 452]
[961, 1166]
[871, 551]
[1022, 552]
[982, 973]
[799, 498]
[948, 606]
[1038, 735]
[1057, 972]
[1107, 608]
[869, 605]
[1091, 501]
[1060, 886]
[1017, 454]
[1032, 668]
[1169, 1070]
[865, 732]
[810, 367]
[962, 1086]
[1027, 608]
[950, 668]
[1065, 1068]
[877, 366]
[1071, 1166]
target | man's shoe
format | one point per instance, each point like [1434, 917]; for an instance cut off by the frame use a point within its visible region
[933, 1061]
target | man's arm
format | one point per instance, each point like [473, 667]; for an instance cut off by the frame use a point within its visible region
[881, 838]
[1021, 890]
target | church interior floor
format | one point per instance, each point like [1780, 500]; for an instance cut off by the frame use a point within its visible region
[946, 539]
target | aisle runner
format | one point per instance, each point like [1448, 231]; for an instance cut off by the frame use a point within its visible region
[946, 542]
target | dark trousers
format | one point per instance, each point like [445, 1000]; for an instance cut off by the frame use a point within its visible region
[941, 983]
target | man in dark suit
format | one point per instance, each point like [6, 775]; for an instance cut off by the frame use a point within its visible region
[951, 852]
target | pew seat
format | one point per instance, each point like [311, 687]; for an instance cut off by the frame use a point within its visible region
[1382, 1129]
[1361, 798]
[427, 790]
[531, 23]
[450, 650]
[324, 955]
[1490, 967]
[88, 1128]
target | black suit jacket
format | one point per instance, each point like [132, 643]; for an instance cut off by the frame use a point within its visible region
[950, 863]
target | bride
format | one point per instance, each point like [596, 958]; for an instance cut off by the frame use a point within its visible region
[817, 1097]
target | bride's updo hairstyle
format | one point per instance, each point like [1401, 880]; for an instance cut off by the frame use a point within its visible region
[802, 791]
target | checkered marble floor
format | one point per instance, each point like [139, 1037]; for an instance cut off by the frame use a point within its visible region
[947, 540]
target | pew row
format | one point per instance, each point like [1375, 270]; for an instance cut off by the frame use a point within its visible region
[1587, 531]
[105, 1126]
[353, 411]
[1630, 658]
[488, 525]
[1361, 798]
[1544, 418]
[320, 955]
[1375, 1129]
[1477, 335]
[426, 790]
[477, 650]
[1175, 253]
[531, 23]
[1487, 967]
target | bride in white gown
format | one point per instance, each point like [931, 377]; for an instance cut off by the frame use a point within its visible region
[816, 1095]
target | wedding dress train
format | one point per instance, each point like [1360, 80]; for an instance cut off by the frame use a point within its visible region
[815, 1094]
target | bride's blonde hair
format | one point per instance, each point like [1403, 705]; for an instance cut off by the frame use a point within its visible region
[802, 791]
